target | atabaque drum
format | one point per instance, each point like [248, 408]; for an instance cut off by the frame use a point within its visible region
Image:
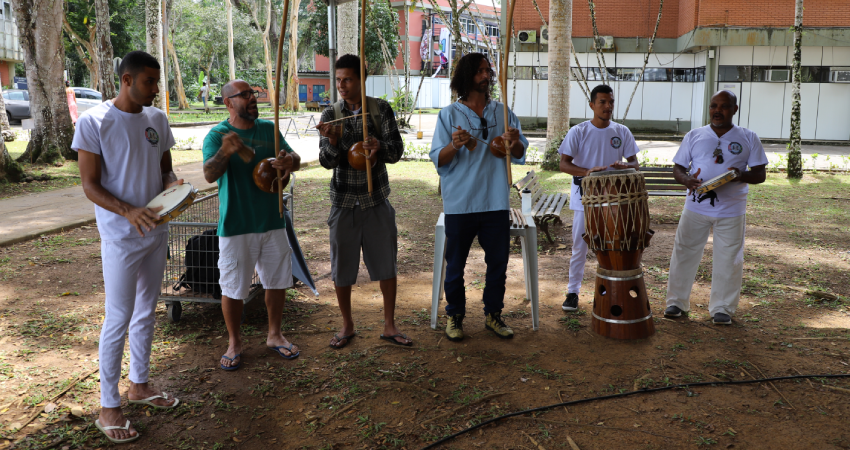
[616, 214]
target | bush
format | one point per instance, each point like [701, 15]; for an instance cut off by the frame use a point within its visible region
[551, 160]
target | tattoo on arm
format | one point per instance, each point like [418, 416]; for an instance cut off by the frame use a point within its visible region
[215, 167]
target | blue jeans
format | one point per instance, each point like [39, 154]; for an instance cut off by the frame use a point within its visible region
[493, 229]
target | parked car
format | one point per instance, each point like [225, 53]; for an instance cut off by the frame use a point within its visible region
[17, 104]
[86, 98]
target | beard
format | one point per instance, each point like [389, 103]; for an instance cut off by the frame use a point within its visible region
[248, 115]
[482, 87]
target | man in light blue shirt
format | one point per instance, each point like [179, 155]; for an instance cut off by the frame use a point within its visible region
[475, 189]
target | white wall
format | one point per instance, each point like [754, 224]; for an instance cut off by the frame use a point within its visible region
[435, 91]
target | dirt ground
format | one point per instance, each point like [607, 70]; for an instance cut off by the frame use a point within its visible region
[374, 395]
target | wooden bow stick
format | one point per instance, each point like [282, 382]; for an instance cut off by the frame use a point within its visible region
[276, 103]
[245, 153]
[473, 137]
[363, 92]
[503, 76]
[337, 120]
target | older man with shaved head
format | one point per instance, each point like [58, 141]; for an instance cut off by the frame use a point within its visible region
[251, 232]
[705, 153]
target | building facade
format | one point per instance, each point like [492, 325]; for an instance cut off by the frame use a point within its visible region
[745, 46]
[10, 47]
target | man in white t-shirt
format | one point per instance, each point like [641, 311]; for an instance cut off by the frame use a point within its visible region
[124, 161]
[592, 146]
[204, 94]
[710, 151]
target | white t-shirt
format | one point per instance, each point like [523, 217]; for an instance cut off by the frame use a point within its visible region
[592, 147]
[131, 148]
[741, 148]
[204, 91]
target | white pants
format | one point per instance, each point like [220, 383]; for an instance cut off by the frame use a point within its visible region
[727, 263]
[579, 257]
[132, 277]
[239, 255]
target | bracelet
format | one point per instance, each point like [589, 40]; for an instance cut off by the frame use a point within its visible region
[453, 145]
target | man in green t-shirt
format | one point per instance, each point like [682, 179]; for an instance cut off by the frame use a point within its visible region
[250, 229]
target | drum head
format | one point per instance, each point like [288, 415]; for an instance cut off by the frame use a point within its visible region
[606, 173]
[171, 198]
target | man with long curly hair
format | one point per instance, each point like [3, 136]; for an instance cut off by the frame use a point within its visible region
[475, 197]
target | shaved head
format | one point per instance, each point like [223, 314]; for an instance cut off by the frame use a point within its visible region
[234, 87]
[729, 95]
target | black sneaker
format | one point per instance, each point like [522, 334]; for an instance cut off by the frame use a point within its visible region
[721, 319]
[673, 311]
[570, 303]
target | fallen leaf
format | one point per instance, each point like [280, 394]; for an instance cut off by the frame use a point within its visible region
[50, 407]
[236, 439]
[212, 416]
[561, 246]
[395, 403]
[148, 413]
[523, 379]
[187, 429]
[459, 359]
[77, 411]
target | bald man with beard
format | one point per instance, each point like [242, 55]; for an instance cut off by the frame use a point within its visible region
[705, 153]
[251, 232]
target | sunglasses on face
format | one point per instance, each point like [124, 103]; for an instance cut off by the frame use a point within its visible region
[246, 94]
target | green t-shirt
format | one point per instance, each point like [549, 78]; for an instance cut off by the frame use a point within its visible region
[243, 207]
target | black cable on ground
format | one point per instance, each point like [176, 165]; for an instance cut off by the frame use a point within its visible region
[626, 394]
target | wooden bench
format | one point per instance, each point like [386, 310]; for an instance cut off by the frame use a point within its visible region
[660, 182]
[545, 207]
[312, 106]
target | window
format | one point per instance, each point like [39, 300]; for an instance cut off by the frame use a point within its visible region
[7, 11]
[16, 95]
[734, 73]
[699, 74]
[541, 73]
[94, 95]
[657, 74]
[683, 75]
[492, 30]
[78, 93]
[839, 74]
[6, 95]
[522, 73]
[814, 75]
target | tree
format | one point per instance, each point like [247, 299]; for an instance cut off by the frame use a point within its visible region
[795, 166]
[178, 77]
[231, 63]
[153, 44]
[254, 9]
[42, 45]
[84, 48]
[348, 28]
[560, 43]
[291, 103]
[645, 60]
[9, 169]
[103, 50]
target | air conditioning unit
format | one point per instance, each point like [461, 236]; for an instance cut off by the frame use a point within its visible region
[527, 36]
[779, 75]
[544, 34]
[605, 42]
[839, 75]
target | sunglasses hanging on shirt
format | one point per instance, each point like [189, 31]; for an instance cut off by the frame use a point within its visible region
[718, 154]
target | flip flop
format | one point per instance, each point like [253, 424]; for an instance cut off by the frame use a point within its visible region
[289, 349]
[401, 335]
[339, 339]
[149, 401]
[126, 427]
[231, 368]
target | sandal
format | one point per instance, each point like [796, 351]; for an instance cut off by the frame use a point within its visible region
[231, 368]
[149, 401]
[126, 427]
[289, 349]
[339, 340]
[401, 335]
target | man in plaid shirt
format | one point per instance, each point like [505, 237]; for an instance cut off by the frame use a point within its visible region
[359, 220]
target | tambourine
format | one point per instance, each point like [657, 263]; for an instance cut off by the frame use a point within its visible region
[173, 201]
[716, 182]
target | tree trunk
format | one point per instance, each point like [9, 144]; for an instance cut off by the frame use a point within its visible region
[645, 60]
[42, 44]
[795, 166]
[231, 61]
[270, 87]
[291, 103]
[560, 43]
[178, 78]
[103, 50]
[5, 127]
[348, 29]
[153, 45]
[10, 171]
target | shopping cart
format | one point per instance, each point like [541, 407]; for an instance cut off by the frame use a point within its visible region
[191, 273]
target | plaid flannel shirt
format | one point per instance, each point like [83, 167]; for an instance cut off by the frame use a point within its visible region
[348, 185]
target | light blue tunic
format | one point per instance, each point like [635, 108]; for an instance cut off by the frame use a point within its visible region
[474, 181]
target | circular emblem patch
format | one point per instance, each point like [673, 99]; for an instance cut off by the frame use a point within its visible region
[152, 136]
[735, 148]
[616, 142]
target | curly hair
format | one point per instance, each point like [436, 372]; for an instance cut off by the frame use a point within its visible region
[352, 62]
[463, 80]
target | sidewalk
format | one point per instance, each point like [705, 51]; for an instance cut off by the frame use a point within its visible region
[27, 217]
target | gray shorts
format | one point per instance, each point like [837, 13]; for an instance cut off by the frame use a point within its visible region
[374, 231]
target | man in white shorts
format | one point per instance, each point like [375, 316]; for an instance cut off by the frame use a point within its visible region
[125, 162]
[251, 232]
[710, 151]
[592, 146]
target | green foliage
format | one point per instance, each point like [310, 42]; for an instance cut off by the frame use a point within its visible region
[551, 160]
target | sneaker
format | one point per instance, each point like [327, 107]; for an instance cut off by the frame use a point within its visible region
[494, 323]
[454, 328]
[570, 303]
[673, 311]
[722, 319]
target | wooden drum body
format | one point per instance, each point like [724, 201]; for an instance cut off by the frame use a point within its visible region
[616, 215]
